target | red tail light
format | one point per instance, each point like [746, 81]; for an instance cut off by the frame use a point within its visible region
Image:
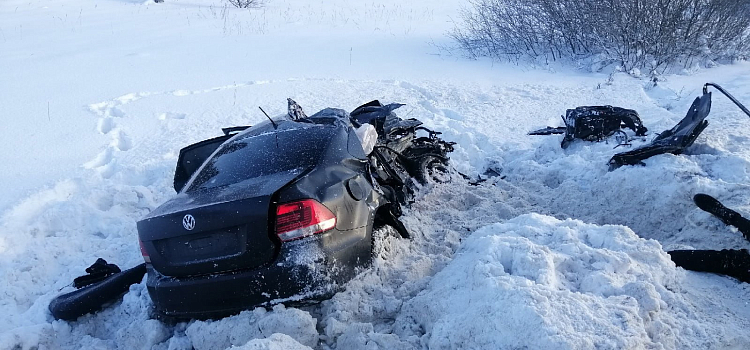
[303, 218]
[146, 257]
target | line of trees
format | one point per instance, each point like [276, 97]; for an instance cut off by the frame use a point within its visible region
[246, 3]
[650, 35]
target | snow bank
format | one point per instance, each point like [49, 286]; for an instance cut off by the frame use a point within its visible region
[258, 324]
[540, 283]
[276, 341]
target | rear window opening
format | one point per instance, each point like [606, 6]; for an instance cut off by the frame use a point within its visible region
[251, 156]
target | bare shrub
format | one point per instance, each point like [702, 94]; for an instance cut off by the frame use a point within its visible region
[245, 3]
[643, 34]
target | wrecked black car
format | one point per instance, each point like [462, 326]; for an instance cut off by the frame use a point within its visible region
[283, 211]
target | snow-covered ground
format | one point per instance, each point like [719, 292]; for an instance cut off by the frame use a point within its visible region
[98, 96]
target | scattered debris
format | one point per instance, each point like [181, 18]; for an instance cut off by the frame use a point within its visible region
[681, 136]
[594, 123]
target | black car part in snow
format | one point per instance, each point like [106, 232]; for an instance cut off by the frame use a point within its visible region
[730, 262]
[283, 211]
[594, 123]
[681, 136]
[103, 283]
[727, 216]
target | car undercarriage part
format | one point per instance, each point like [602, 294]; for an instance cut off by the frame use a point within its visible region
[594, 123]
[399, 149]
[389, 216]
[678, 138]
[727, 216]
[730, 262]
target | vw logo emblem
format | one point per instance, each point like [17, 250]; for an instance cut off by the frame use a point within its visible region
[188, 222]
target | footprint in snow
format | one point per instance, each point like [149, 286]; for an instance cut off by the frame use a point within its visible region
[451, 114]
[418, 89]
[105, 125]
[182, 93]
[172, 115]
[103, 158]
[122, 141]
[522, 93]
[428, 106]
[106, 171]
[127, 98]
[114, 112]
[105, 163]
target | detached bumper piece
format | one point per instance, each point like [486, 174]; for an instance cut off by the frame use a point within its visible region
[95, 295]
[728, 216]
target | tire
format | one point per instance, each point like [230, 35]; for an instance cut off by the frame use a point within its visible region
[432, 169]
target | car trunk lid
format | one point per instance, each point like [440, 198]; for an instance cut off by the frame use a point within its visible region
[214, 230]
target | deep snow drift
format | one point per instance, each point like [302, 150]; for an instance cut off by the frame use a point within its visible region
[553, 252]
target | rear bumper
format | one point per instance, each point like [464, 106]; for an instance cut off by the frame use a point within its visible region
[302, 271]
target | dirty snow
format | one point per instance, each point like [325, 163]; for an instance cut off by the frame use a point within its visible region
[97, 98]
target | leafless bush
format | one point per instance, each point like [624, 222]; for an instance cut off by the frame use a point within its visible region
[643, 34]
[245, 3]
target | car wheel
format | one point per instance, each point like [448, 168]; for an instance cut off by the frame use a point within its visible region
[432, 169]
